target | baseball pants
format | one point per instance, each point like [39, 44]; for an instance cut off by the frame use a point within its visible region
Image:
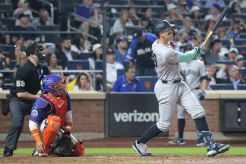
[18, 109]
[181, 111]
[169, 95]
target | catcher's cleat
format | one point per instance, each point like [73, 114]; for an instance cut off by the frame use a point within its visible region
[217, 148]
[36, 153]
[177, 141]
[141, 149]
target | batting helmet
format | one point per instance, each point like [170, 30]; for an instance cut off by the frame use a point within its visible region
[53, 84]
[162, 26]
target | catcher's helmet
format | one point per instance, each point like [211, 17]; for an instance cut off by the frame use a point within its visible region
[162, 26]
[53, 83]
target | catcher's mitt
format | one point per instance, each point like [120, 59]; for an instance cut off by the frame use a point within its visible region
[64, 147]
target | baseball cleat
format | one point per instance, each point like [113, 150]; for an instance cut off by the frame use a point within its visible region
[141, 149]
[177, 141]
[217, 148]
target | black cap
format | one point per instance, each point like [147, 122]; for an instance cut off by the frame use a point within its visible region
[23, 15]
[217, 40]
[110, 51]
[121, 38]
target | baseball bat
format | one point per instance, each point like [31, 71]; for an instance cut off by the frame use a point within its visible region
[219, 19]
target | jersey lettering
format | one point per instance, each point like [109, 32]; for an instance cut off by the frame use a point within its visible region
[20, 83]
[154, 59]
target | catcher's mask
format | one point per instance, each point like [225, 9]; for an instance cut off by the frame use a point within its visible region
[53, 84]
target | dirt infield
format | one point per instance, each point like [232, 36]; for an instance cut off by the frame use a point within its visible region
[128, 141]
[126, 159]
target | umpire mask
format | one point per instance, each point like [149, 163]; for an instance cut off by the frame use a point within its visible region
[39, 51]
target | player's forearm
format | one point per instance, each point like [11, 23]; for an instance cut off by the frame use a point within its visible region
[27, 95]
[33, 126]
[204, 85]
[131, 51]
[69, 121]
[188, 56]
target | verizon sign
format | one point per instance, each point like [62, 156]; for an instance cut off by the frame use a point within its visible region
[136, 116]
[130, 114]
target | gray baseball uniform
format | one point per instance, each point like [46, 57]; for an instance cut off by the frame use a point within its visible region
[192, 71]
[169, 90]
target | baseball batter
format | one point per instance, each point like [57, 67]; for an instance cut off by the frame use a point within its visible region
[170, 90]
[194, 73]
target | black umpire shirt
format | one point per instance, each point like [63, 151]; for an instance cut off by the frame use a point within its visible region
[28, 79]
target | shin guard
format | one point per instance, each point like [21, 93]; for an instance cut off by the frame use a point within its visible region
[50, 131]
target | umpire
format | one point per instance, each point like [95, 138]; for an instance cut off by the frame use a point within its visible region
[24, 93]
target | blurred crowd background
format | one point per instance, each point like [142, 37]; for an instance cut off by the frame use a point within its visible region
[86, 35]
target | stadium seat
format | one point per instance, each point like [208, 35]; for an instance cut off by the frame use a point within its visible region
[84, 56]
[118, 2]
[222, 87]
[78, 65]
[225, 62]
[8, 22]
[241, 87]
[148, 82]
[150, 72]
[6, 9]
[1, 65]
[12, 64]
[7, 48]
[66, 5]
[98, 65]
[240, 42]
[241, 49]
[243, 35]
[54, 37]
[142, 2]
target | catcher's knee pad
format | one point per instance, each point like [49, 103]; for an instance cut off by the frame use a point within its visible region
[79, 149]
[51, 129]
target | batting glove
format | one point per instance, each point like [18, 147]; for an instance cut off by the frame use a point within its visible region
[199, 52]
[201, 95]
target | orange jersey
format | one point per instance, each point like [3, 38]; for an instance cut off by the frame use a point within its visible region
[46, 105]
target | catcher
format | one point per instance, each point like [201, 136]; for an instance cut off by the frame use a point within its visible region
[51, 121]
